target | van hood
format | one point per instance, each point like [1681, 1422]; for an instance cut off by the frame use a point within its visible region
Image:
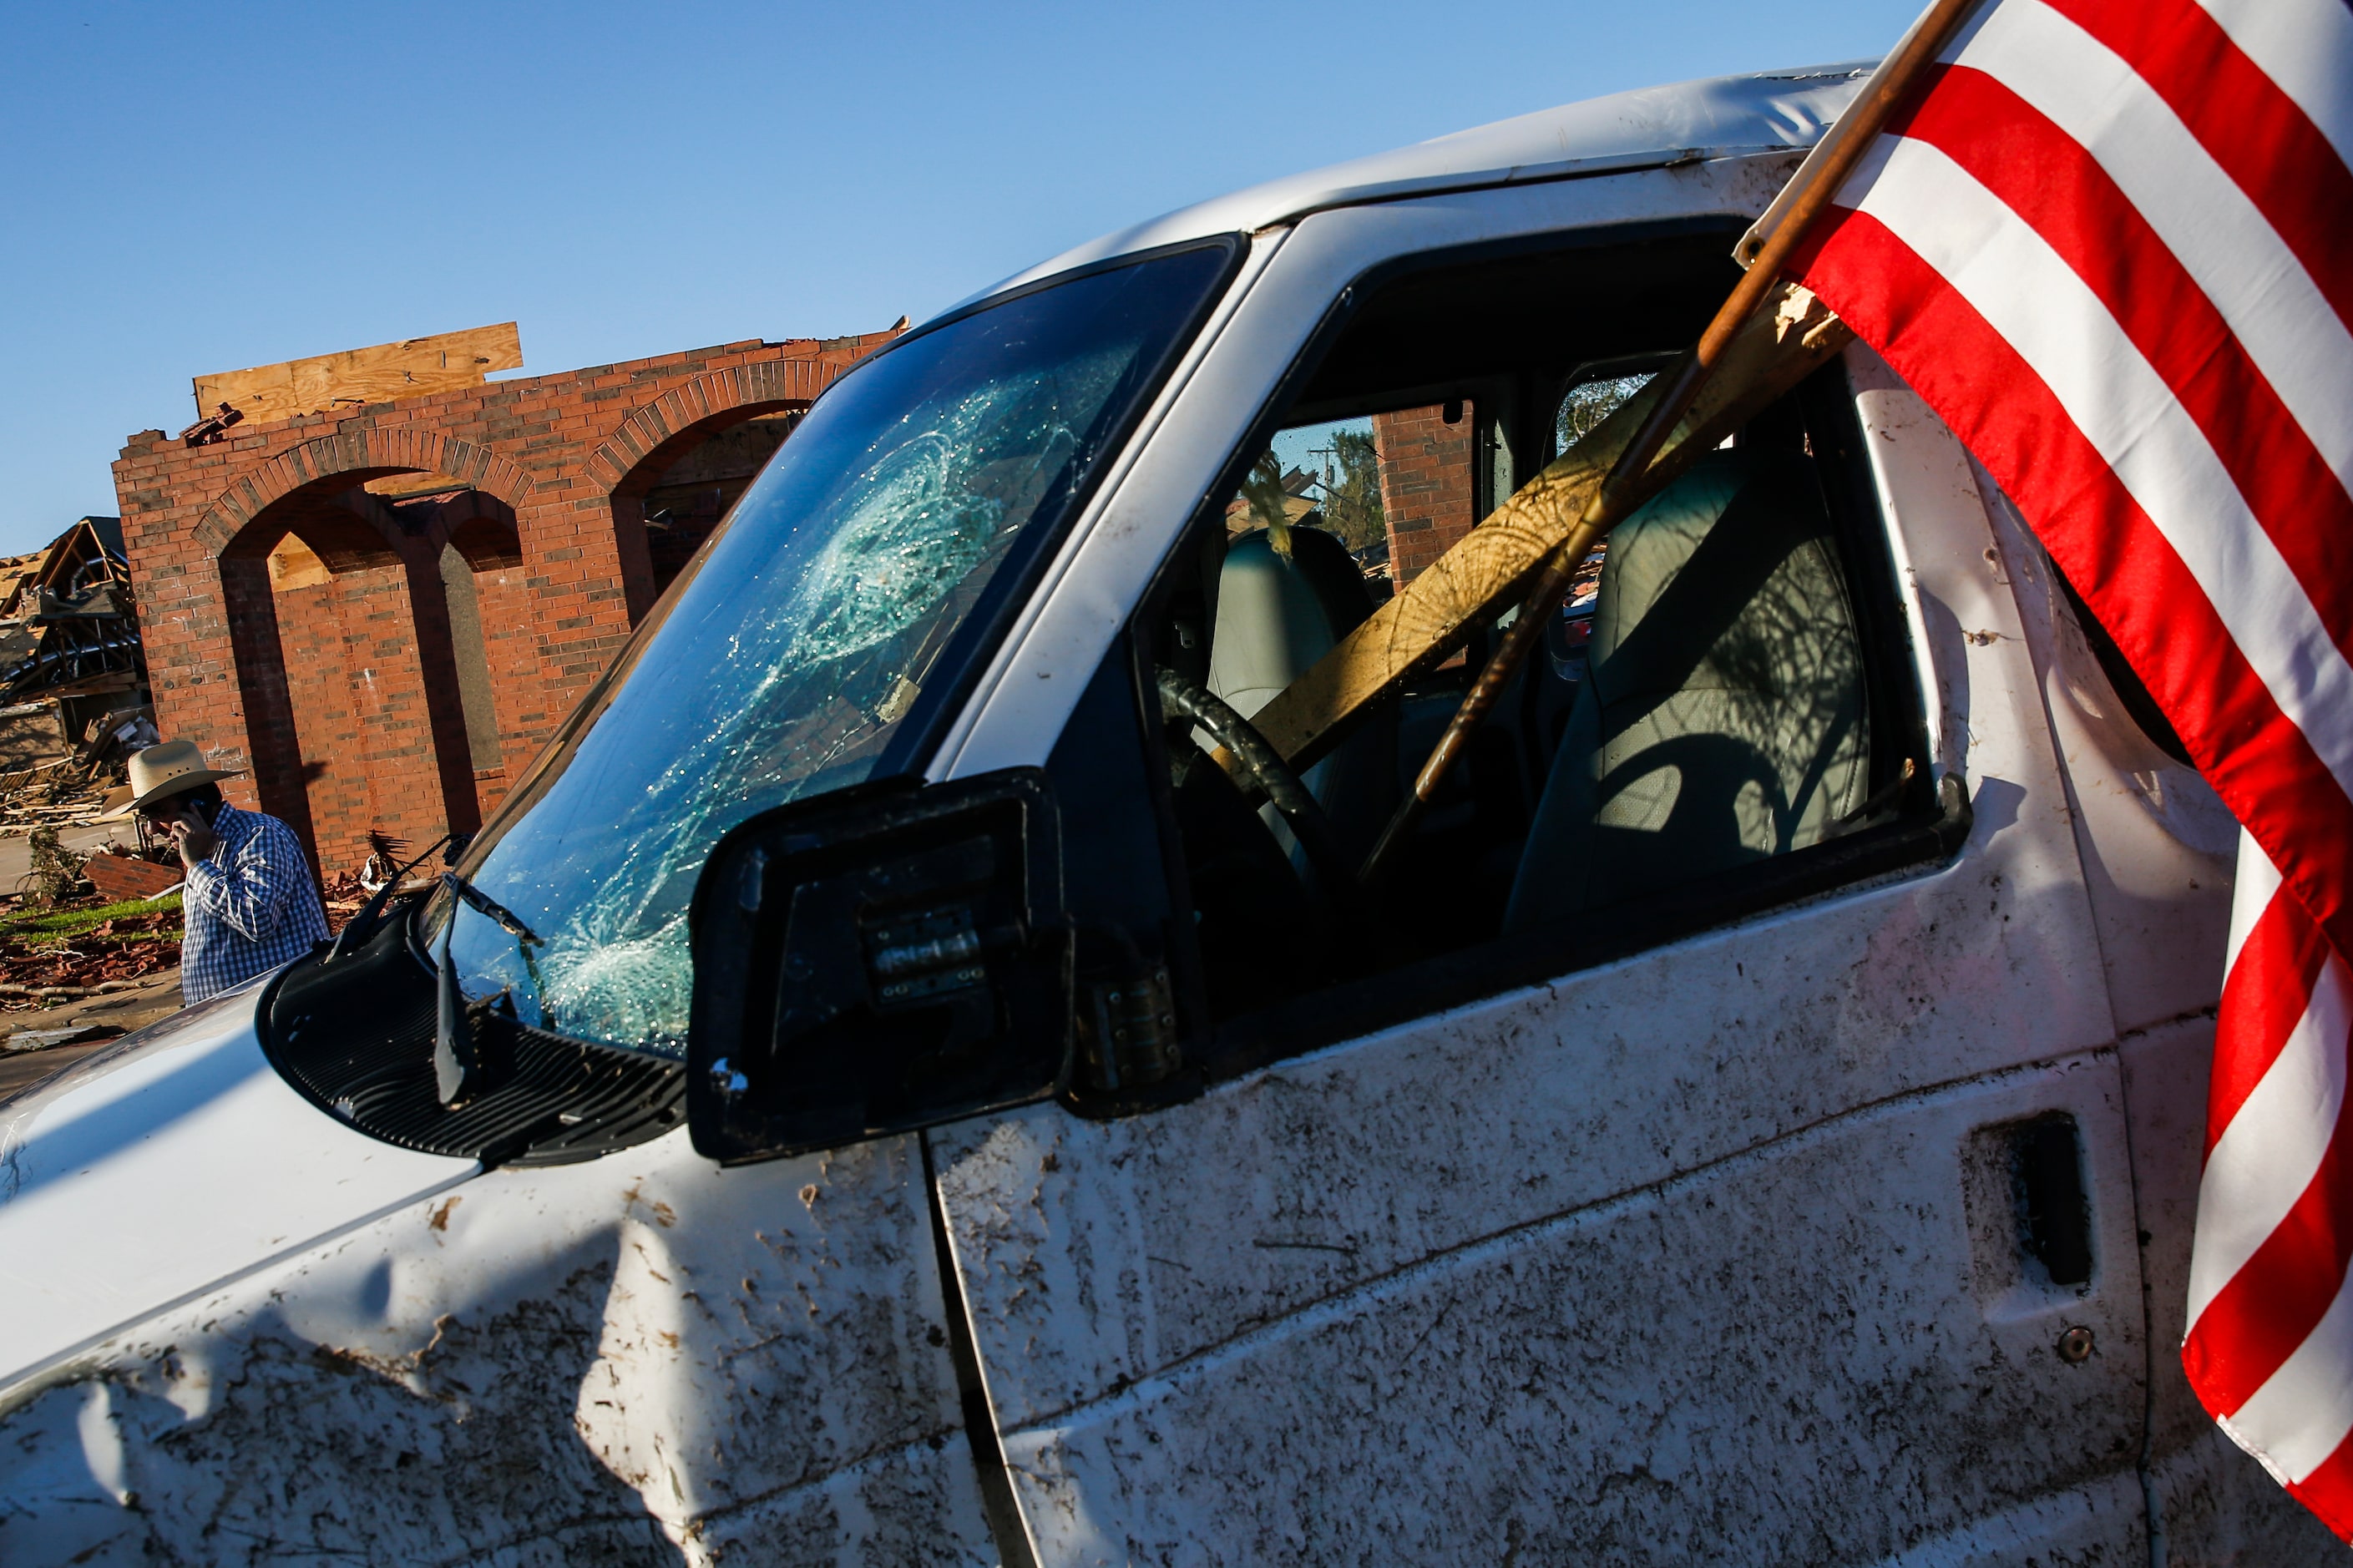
[165, 1166]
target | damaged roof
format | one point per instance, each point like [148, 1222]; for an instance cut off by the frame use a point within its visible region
[1713, 118]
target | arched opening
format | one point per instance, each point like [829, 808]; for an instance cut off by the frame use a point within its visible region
[363, 638]
[669, 501]
[481, 566]
[686, 501]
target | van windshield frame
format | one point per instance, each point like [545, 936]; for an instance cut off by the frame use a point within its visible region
[823, 639]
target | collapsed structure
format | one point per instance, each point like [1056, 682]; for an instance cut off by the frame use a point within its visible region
[73, 685]
[377, 581]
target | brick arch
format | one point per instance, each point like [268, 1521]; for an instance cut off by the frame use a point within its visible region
[361, 455]
[198, 520]
[482, 528]
[659, 433]
[306, 491]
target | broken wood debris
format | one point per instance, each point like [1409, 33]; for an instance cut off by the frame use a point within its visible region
[212, 427]
[48, 993]
[52, 955]
[73, 679]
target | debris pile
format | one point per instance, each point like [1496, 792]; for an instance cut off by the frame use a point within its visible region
[116, 872]
[85, 949]
[60, 941]
[73, 682]
[343, 895]
[67, 628]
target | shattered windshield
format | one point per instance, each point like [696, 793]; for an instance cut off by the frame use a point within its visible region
[837, 600]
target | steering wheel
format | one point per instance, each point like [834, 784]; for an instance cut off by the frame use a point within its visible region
[1257, 765]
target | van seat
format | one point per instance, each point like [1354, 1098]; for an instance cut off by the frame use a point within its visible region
[1723, 720]
[1277, 616]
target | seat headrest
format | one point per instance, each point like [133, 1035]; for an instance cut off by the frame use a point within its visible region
[1277, 616]
[1737, 518]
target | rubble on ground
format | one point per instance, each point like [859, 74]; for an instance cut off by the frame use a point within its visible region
[80, 927]
[344, 893]
[59, 953]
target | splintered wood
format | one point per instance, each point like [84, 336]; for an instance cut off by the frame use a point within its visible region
[414, 367]
[1783, 343]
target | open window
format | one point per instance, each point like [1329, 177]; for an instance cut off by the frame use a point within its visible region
[1719, 717]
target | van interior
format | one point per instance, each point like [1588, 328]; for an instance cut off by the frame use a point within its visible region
[1703, 701]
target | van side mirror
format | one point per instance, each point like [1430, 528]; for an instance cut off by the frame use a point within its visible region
[878, 965]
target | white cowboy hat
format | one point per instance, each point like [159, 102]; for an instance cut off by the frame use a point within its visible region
[169, 769]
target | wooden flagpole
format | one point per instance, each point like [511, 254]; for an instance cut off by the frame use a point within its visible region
[1807, 196]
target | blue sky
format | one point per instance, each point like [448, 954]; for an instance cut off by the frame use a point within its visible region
[192, 189]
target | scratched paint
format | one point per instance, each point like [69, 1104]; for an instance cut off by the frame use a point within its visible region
[644, 1359]
[1663, 1255]
[1768, 1351]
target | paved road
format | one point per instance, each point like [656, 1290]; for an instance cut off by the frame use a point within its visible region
[16, 851]
[21, 1072]
[157, 997]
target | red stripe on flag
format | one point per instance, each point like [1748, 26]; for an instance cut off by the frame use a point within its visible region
[2046, 177]
[2252, 753]
[2265, 997]
[2327, 1491]
[2260, 137]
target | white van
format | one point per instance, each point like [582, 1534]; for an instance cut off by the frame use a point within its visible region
[915, 1075]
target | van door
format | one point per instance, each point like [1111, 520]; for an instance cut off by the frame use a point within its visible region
[2160, 850]
[1661, 1162]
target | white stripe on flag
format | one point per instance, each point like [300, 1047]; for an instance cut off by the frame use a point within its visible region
[2304, 46]
[2005, 270]
[2267, 1156]
[2229, 248]
[2251, 894]
[2305, 1410]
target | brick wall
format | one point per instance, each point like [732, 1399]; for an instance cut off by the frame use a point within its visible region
[341, 698]
[1426, 484]
[318, 683]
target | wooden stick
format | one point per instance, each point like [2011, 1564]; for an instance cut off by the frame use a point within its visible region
[1432, 616]
[1551, 585]
[1814, 186]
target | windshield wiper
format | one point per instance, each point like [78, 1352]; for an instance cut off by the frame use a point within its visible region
[362, 926]
[481, 903]
[460, 1068]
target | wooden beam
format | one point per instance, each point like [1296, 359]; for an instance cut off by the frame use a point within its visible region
[399, 487]
[1477, 578]
[416, 367]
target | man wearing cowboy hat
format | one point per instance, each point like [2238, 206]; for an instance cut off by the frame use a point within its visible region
[250, 903]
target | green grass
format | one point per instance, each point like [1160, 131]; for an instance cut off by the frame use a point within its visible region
[39, 929]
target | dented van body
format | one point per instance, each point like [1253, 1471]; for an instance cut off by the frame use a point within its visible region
[910, 1077]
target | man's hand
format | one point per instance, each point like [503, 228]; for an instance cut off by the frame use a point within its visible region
[193, 836]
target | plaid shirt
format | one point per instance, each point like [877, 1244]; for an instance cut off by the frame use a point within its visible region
[251, 905]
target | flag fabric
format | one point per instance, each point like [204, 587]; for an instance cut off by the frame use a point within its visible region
[2111, 243]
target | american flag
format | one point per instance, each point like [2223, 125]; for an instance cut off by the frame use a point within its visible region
[2111, 243]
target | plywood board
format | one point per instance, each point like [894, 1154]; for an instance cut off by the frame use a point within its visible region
[1783, 343]
[415, 367]
[294, 565]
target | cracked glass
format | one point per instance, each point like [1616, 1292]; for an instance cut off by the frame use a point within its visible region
[797, 654]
